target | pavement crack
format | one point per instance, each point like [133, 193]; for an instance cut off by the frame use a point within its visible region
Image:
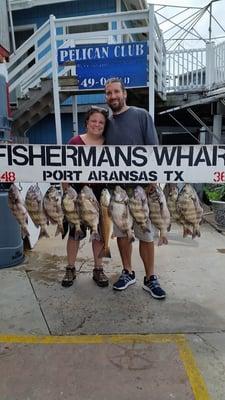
[39, 304]
[209, 345]
[81, 266]
[81, 324]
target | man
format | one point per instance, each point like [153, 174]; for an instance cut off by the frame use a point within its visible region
[132, 126]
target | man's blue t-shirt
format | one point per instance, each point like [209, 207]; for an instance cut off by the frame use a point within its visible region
[132, 127]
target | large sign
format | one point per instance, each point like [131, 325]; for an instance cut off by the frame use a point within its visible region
[114, 164]
[140, 164]
[96, 63]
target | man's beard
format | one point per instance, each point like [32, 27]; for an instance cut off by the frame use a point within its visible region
[118, 106]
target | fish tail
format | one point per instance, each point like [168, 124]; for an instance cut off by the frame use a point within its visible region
[165, 240]
[162, 240]
[131, 237]
[145, 228]
[95, 236]
[43, 233]
[79, 234]
[59, 230]
[24, 232]
[187, 232]
[196, 232]
[105, 253]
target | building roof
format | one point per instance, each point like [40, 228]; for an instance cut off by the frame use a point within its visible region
[22, 4]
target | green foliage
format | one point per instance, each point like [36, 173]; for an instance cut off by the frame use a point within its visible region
[214, 192]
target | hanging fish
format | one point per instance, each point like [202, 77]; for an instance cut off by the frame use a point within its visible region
[105, 223]
[34, 205]
[52, 206]
[139, 209]
[89, 210]
[120, 212]
[171, 192]
[70, 209]
[190, 211]
[158, 211]
[18, 209]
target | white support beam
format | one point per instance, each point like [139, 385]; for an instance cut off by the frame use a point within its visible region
[151, 66]
[217, 128]
[210, 64]
[55, 81]
[202, 135]
[75, 117]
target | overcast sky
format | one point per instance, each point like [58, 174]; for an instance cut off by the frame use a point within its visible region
[202, 26]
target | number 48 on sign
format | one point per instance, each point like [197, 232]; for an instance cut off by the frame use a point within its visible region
[7, 176]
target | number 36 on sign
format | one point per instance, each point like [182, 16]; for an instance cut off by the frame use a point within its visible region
[219, 176]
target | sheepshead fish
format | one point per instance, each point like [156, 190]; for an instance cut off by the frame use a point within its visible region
[171, 192]
[190, 210]
[120, 212]
[70, 208]
[53, 209]
[89, 211]
[158, 211]
[105, 223]
[18, 209]
[34, 205]
[139, 209]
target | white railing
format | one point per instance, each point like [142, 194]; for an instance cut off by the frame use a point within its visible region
[33, 59]
[220, 64]
[196, 69]
[30, 62]
[186, 69]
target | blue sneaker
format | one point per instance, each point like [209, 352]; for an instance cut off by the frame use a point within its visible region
[153, 287]
[126, 279]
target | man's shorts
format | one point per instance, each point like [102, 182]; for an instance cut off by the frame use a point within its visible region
[139, 234]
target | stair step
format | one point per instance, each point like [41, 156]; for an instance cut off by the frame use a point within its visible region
[45, 78]
[35, 88]
[25, 97]
[13, 106]
[38, 103]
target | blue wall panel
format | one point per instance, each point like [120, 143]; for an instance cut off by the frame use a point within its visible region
[87, 99]
[44, 130]
[38, 15]
[91, 98]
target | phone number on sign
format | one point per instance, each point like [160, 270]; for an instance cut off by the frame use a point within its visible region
[92, 82]
[7, 176]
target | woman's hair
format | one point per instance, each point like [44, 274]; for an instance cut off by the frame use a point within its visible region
[93, 110]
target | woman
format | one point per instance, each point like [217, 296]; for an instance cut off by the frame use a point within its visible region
[95, 122]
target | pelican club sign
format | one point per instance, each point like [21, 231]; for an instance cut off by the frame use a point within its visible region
[97, 62]
[112, 164]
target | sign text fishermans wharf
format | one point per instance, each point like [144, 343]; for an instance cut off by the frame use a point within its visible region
[115, 164]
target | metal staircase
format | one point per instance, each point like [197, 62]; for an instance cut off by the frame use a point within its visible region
[37, 103]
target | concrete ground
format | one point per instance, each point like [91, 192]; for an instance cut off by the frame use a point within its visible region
[86, 342]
